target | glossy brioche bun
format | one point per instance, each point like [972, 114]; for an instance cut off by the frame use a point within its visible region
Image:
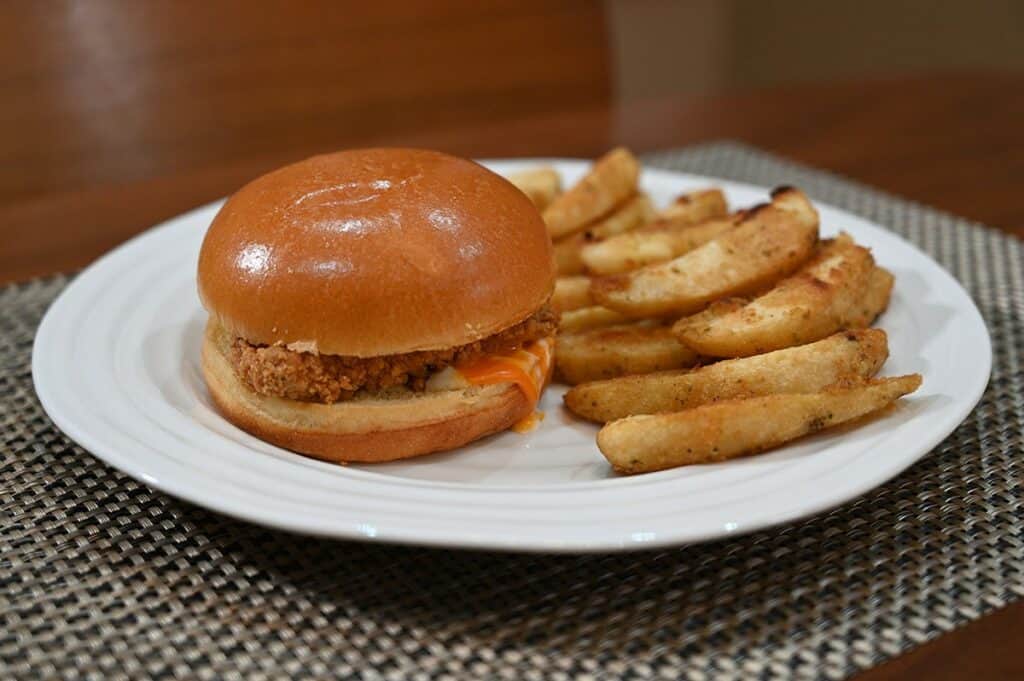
[365, 430]
[375, 252]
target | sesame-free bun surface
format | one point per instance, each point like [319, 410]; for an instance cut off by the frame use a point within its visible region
[375, 252]
[365, 430]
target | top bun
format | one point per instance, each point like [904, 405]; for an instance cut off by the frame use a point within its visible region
[375, 252]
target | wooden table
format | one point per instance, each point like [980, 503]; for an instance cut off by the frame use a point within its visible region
[955, 142]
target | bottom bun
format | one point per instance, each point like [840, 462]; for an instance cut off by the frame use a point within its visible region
[361, 430]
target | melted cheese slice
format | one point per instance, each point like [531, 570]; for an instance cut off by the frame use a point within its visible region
[527, 367]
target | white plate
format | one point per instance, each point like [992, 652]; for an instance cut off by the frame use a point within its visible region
[116, 365]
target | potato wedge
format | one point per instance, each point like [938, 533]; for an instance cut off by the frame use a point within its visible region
[632, 213]
[696, 206]
[567, 256]
[827, 294]
[851, 355]
[571, 293]
[768, 244]
[874, 301]
[651, 244]
[635, 211]
[611, 180]
[618, 351]
[587, 318]
[725, 430]
[542, 185]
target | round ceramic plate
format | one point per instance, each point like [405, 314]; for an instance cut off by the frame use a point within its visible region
[116, 365]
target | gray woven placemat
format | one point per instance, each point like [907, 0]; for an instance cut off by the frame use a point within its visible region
[102, 578]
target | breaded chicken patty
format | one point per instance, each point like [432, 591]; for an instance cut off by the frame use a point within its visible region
[280, 372]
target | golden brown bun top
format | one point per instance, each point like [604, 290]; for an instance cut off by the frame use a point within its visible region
[375, 252]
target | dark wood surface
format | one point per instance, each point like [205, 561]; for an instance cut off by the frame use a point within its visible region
[988, 649]
[954, 141]
[115, 114]
[99, 141]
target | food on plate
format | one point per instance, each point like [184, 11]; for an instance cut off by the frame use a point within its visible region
[770, 242]
[377, 304]
[542, 185]
[631, 214]
[825, 295]
[586, 318]
[650, 300]
[611, 180]
[801, 334]
[737, 427]
[850, 355]
[658, 242]
[571, 293]
[756, 286]
[618, 351]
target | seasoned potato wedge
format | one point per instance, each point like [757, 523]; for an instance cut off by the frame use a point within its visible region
[542, 185]
[768, 244]
[693, 207]
[874, 301]
[568, 260]
[594, 316]
[635, 211]
[587, 318]
[850, 355]
[611, 180]
[571, 293]
[618, 351]
[829, 293]
[655, 243]
[732, 428]
[632, 213]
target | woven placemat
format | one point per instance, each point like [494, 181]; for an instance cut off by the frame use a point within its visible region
[103, 578]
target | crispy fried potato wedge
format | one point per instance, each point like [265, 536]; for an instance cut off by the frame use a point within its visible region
[587, 318]
[618, 351]
[635, 211]
[874, 301]
[571, 293]
[846, 356]
[769, 243]
[632, 213]
[693, 207]
[567, 256]
[611, 180]
[830, 292]
[542, 185]
[651, 244]
[725, 430]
